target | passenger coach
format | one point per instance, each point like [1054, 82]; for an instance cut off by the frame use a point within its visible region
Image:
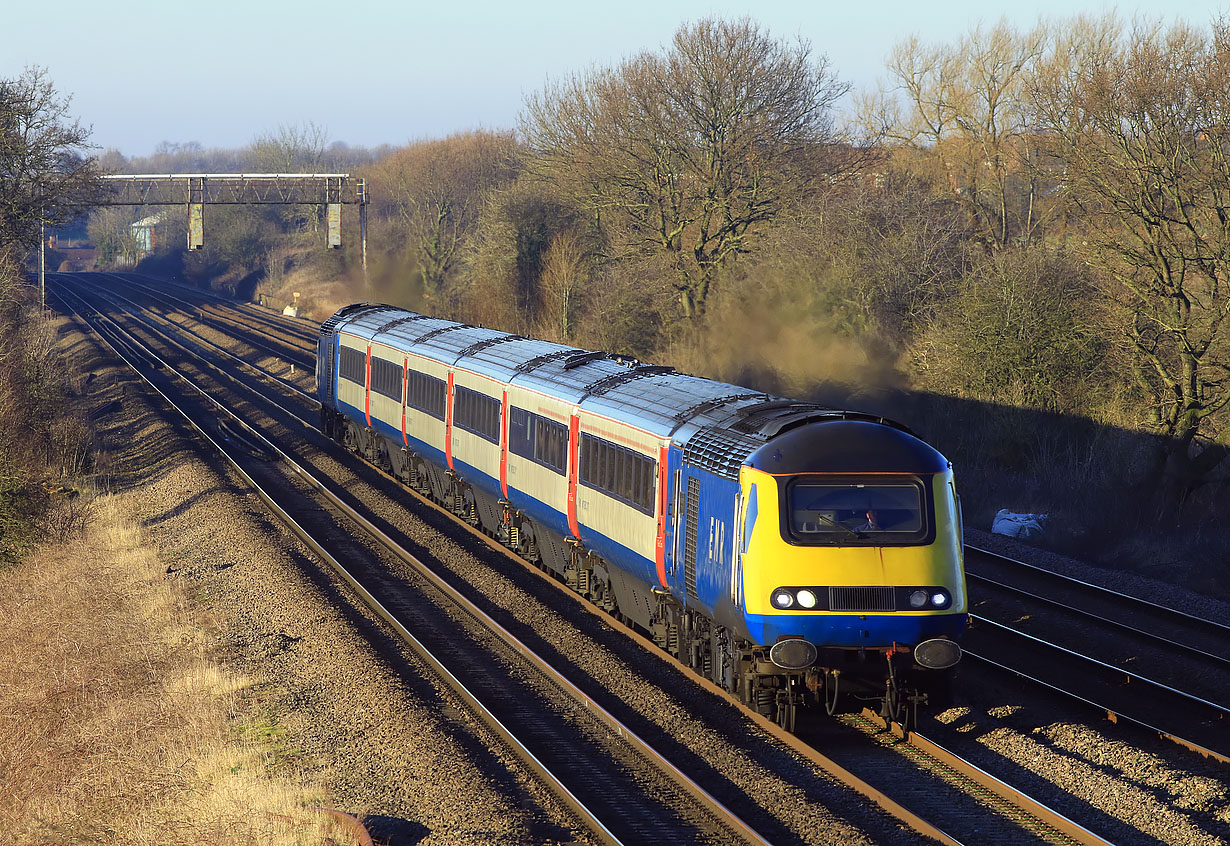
[780, 548]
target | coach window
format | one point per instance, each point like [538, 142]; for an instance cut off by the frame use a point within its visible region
[606, 460]
[353, 365]
[539, 439]
[552, 443]
[426, 393]
[477, 413]
[622, 473]
[587, 459]
[611, 461]
[386, 378]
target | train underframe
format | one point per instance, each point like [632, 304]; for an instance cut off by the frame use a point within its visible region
[841, 680]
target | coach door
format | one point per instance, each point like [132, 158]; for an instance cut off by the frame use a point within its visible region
[574, 457]
[367, 388]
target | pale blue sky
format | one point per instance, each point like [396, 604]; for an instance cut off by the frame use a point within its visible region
[223, 71]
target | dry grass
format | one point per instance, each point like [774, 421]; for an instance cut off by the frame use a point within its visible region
[115, 727]
[319, 296]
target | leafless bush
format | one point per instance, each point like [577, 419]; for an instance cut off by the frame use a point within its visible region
[70, 443]
[66, 516]
[40, 437]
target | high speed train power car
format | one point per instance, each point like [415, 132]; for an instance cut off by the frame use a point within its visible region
[792, 553]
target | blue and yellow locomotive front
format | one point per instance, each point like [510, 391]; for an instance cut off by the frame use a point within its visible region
[851, 544]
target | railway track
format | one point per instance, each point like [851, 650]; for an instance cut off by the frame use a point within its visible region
[1160, 668]
[1033, 824]
[272, 336]
[193, 296]
[1162, 626]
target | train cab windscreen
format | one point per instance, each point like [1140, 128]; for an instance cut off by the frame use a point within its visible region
[843, 512]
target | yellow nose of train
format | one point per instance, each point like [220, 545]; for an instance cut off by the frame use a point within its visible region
[852, 545]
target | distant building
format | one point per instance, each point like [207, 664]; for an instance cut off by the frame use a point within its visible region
[147, 234]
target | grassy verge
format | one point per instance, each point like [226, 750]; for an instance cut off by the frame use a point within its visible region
[115, 724]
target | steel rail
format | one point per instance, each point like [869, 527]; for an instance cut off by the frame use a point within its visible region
[1211, 627]
[1006, 792]
[1200, 654]
[454, 683]
[205, 318]
[1013, 796]
[1113, 713]
[999, 788]
[729, 819]
[1221, 710]
[277, 380]
[288, 338]
[292, 325]
[843, 775]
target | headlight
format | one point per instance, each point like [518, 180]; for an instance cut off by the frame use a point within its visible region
[918, 599]
[806, 598]
[939, 599]
[782, 599]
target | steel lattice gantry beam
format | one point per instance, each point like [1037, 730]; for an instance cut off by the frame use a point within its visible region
[171, 189]
[196, 190]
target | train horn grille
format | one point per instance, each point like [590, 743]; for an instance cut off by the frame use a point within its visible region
[862, 599]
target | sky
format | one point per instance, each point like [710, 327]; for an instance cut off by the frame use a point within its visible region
[221, 73]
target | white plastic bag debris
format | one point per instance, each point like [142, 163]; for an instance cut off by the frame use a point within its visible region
[1022, 526]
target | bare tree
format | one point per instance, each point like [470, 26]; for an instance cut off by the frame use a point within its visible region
[564, 280]
[966, 108]
[692, 151]
[434, 192]
[1017, 333]
[1141, 123]
[507, 254]
[110, 230]
[45, 174]
[900, 252]
[293, 149]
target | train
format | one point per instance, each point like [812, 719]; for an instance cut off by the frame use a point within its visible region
[797, 555]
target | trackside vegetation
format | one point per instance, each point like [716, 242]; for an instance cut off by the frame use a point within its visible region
[45, 447]
[116, 725]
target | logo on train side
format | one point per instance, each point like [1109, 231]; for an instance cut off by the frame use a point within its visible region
[717, 539]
